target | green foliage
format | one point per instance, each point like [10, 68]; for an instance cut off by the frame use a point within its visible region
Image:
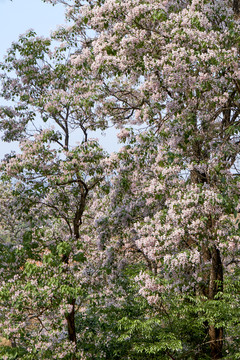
[12, 353]
[100, 322]
[120, 257]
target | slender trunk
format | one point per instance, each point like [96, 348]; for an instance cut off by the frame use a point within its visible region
[71, 326]
[236, 6]
[216, 342]
[70, 317]
[71, 323]
[77, 221]
[215, 285]
[214, 278]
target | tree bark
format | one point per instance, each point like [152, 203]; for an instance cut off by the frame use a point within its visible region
[236, 7]
[214, 278]
[71, 323]
[71, 326]
[77, 221]
[215, 285]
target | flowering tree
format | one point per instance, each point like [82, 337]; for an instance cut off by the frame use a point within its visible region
[167, 74]
[174, 67]
[52, 185]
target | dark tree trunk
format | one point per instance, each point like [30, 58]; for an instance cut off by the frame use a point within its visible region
[71, 326]
[77, 221]
[215, 285]
[70, 317]
[214, 278]
[236, 6]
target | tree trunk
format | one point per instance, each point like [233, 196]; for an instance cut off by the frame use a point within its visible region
[216, 342]
[236, 7]
[214, 278]
[215, 285]
[71, 326]
[77, 221]
[70, 317]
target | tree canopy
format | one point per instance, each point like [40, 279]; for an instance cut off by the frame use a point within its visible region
[134, 254]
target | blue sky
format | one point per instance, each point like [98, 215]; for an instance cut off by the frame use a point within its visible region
[18, 16]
